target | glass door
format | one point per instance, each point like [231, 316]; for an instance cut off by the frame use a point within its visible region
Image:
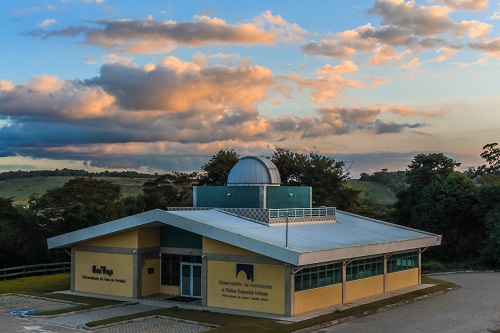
[190, 280]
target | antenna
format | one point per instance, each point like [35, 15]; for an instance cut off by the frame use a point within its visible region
[348, 168]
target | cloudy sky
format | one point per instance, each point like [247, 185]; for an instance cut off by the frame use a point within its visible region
[162, 85]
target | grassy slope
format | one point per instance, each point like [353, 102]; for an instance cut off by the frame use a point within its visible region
[375, 193]
[21, 189]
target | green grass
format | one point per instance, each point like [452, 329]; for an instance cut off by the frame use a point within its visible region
[21, 189]
[243, 324]
[374, 193]
[44, 286]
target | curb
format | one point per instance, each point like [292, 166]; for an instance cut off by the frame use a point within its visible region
[370, 312]
[95, 328]
[460, 272]
[81, 311]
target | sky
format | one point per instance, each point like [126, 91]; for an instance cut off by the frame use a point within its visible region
[158, 86]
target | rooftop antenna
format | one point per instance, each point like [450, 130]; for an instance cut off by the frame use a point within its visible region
[348, 168]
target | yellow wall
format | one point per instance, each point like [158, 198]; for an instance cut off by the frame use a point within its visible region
[150, 282]
[119, 283]
[135, 239]
[402, 279]
[170, 290]
[364, 287]
[213, 246]
[148, 237]
[309, 300]
[126, 239]
[226, 290]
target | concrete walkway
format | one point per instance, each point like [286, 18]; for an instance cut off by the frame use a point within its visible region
[473, 308]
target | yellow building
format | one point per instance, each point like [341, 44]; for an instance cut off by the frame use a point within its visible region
[263, 249]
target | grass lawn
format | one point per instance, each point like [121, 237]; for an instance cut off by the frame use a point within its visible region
[40, 285]
[373, 192]
[21, 189]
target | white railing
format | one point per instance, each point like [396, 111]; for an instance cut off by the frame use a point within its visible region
[301, 212]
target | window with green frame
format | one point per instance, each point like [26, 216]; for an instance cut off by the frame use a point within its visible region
[402, 261]
[364, 268]
[171, 267]
[319, 276]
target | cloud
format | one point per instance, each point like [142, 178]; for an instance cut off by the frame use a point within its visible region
[406, 29]
[47, 22]
[22, 12]
[415, 62]
[473, 5]
[446, 53]
[132, 116]
[489, 47]
[152, 36]
[324, 88]
[406, 111]
[345, 67]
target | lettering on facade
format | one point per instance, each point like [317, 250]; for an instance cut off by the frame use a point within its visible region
[245, 291]
[103, 270]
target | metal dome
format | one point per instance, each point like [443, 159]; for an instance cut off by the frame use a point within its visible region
[254, 170]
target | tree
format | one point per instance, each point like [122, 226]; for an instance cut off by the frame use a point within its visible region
[218, 167]
[323, 173]
[81, 202]
[491, 154]
[440, 200]
[426, 168]
[170, 190]
[22, 241]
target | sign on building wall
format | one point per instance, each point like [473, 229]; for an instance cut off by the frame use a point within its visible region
[104, 273]
[246, 286]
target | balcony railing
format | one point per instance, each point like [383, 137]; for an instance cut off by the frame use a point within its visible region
[301, 212]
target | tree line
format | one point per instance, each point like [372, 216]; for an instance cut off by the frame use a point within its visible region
[72, 173]
[432, 195]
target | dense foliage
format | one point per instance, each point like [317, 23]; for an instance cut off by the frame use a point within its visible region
[463, 207]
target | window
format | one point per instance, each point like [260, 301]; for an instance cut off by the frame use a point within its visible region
[319, 276]
[171, 265]
[364, 268]
[402, 261]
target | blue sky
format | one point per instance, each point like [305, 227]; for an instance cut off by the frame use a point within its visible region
[160, 86]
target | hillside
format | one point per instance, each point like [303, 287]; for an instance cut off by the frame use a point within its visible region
[21, 189]
[374, 193]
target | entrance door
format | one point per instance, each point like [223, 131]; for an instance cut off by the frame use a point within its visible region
[190, 280]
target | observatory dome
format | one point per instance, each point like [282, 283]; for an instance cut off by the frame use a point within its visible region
[253, 171]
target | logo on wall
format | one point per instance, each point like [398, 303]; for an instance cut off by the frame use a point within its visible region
[102, 270]
[247, 269]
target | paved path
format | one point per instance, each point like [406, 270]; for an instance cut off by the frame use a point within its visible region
[12, 324]
[473, 308]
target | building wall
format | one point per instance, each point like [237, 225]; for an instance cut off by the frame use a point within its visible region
[213, 246]
[125, 239]
[402, 279]
[227, 196]
[313, 299]
[364, 288]
[264, 291]
[288, 197]
[148, 238]
[150, 283]
[117, 278]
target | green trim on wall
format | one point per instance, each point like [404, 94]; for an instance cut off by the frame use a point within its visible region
[176, 237]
